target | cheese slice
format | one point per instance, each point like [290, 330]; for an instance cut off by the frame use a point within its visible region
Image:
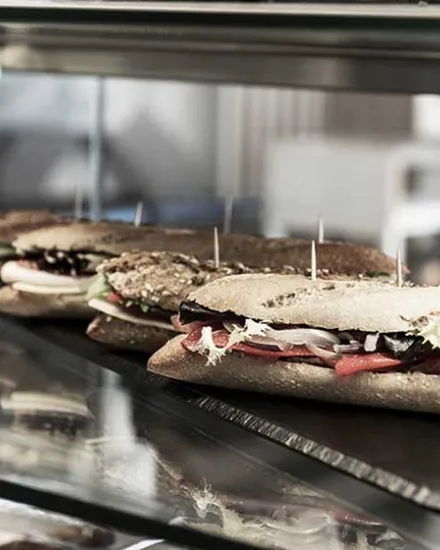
[14, 272]
[47, 290]
[120, 312]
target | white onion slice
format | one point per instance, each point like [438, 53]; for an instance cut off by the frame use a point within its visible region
[328, 356]
[348, 348]
[257, 340]
[304, 336]
[284, 339]
[370, 343]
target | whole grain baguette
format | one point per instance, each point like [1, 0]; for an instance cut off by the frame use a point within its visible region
[342, 304]
[166, 278]
[125, 335]
[415, 391]
[24, 304]
[115, 238]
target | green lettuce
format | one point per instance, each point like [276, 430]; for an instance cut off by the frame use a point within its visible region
[98, 287]
[431, 332]
[6, 250]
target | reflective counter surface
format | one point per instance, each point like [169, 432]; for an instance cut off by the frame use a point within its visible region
[75, 440]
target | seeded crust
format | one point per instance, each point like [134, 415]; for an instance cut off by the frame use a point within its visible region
[415, 392]
[165, 279]
[367, 305]
[15, 222]
[336, 257]
[125, 335]
[24, 304]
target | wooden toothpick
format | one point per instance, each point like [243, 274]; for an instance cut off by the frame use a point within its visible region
[320, 230]
[138, 213]
[79, 200]
[227, 214]
[216, 248]
[399, 276]
[313, 261]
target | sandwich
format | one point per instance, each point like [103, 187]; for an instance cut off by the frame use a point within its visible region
[364, 342]
[55, 265]
[138, 294]
[15, 222]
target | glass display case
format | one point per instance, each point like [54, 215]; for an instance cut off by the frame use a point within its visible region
[185, 104]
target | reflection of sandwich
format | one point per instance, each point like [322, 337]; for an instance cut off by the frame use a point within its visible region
[369, 343]
[138, 293]
[15, 222]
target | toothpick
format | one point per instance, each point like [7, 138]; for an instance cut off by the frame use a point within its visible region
[399, 277]
[78, 200]
[138, 213]
[216, 249]
[320, 230]
[313, 261]
[227, 214]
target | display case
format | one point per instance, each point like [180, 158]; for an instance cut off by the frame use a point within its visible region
[94, 450]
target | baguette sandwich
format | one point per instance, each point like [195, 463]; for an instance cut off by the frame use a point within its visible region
[56, 264]
[360, 342]
[138, 294]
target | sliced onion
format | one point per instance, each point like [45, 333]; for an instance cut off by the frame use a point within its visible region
[304, 336]
[347, 336]
[265, 341]
[348, 348]
[370, 343]
[329, 356]
[262, 341]
[290, 337]
[230, 326]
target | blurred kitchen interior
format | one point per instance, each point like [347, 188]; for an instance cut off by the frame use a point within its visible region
[368, 164]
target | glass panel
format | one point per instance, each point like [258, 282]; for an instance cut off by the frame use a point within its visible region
[73, 429]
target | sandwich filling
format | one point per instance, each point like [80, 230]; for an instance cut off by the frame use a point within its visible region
[7, 251]
[104, 298]
[51, 271]
[214, 335]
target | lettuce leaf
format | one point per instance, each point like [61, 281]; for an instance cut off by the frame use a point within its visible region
[6, 250]
[98, 287]
[431, 332]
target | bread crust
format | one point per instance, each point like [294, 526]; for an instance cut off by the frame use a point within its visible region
[23, 304]
[166, 278]
[115, 238]
[414, 392]
[367, 305]
[124, 335]
[15, 222]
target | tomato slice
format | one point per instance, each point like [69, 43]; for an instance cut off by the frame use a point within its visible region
[353, 363]
[114, 298]
[295, 351]
[221, 340]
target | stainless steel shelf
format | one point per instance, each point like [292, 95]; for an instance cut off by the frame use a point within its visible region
[346, 47]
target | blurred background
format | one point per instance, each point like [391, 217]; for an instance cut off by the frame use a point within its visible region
[368, 164]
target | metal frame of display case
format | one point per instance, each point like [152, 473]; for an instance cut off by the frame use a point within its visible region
[344, 47]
